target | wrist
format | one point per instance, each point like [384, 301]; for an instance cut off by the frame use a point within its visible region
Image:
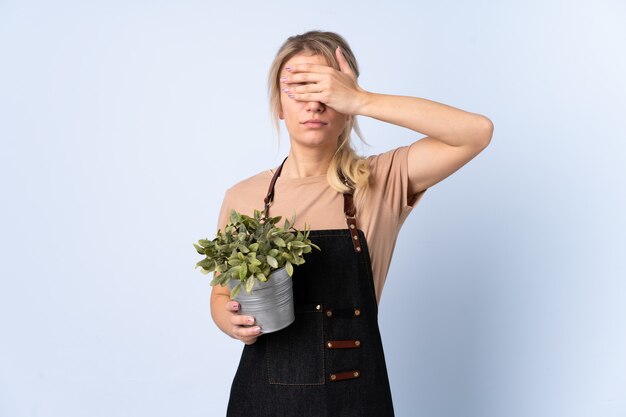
[364, 102]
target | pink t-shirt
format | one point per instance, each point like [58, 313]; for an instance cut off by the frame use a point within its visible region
[380, 213]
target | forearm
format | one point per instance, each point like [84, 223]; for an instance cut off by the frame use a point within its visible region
[219, 313]
[448, 124]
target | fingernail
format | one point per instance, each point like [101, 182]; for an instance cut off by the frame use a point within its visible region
[257, 330]
[287, 68]
[236, 307]
[250, 320]
[283, 79]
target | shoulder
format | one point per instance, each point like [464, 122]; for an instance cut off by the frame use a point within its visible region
[245, 196]
[391, 165]
[251, 184]
[384, 160]
[389, 181]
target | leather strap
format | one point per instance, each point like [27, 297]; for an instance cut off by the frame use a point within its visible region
[348, 208]
[350, 211]
[343, 344]
[339, 376]
[270, 192]
[343, 312]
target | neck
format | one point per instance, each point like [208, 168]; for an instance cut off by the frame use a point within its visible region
[308, 162]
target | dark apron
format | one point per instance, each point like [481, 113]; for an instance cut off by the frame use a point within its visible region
[330, 360]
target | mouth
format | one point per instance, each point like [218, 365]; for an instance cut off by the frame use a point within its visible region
[314, 123]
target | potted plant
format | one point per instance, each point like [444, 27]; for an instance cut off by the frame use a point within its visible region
[255, 254]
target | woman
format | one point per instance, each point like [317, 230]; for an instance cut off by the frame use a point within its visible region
[330, 361]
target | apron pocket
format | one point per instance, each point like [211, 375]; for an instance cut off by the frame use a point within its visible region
[295, 354]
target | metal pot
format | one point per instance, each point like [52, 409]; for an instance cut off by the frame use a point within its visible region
[269, 302]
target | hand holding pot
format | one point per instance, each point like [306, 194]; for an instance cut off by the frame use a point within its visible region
[242, 328]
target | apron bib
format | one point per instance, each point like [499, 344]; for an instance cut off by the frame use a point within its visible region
[330, 360]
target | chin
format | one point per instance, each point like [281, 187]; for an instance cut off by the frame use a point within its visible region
[316, 142]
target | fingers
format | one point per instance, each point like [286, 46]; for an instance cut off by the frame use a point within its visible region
[313, 72]
[242, 325]
[244, 330]
[232, 306]
[241, 320]
[343, 62]
[308, 88]
[304, 77]
[313, 68]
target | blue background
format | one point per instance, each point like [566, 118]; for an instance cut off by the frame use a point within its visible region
[123, 123]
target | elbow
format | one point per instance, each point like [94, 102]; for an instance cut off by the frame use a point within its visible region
[485, 131]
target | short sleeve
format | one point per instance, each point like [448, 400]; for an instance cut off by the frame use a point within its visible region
[224, 216]
[390, 181]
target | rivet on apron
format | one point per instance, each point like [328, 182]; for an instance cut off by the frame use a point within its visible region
[340, 376]
[357, 311]
[358, 249]
[329, 344]
[329, 313]
[356, 238]
[357, 343]
[317, 307]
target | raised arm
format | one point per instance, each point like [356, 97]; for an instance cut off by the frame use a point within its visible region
[453, 136]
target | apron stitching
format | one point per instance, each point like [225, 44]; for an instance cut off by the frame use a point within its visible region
[267, 361]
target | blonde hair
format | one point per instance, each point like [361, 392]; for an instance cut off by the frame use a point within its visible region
[347, 171]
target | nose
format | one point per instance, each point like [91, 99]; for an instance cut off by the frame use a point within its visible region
[315, 106]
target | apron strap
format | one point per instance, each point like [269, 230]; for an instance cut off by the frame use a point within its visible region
[350, 211]
[270, 192]
[348, 208]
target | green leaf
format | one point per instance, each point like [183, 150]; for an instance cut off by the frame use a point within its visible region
[206, 263]
[233, 272]
[216, 280]
[279, 242]
[243, 271]
[252, 260]
[234, 262]
[272, 261]
[235, 291]
[234, 216]
[249, 285]
[289, 268]
[260, 276]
